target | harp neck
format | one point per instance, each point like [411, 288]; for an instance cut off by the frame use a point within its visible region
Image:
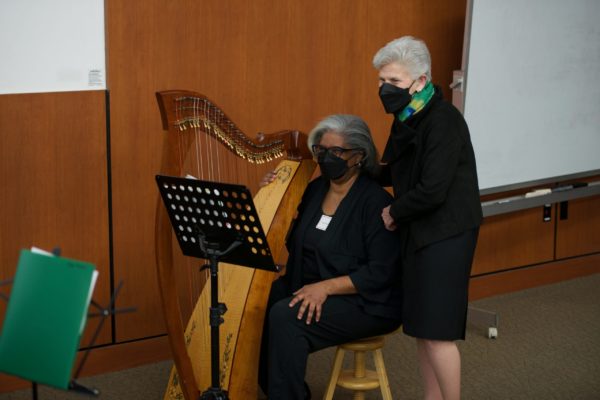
[183, 111]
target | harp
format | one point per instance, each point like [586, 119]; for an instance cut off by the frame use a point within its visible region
[202, 141]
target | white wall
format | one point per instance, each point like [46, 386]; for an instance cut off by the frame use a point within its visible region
[51, 45]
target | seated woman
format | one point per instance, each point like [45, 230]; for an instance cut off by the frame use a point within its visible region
[342, 279]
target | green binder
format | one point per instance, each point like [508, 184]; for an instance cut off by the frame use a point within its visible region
[45, 318]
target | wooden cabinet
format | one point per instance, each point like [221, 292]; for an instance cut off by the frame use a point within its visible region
[513, 240]
[524, 238]
[578, 227]
[520, 250]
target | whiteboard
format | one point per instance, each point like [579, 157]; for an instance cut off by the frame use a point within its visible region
[532, 89]
[51, 46]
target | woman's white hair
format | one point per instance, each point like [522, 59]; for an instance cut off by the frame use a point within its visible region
[407, 51]
[356, 135]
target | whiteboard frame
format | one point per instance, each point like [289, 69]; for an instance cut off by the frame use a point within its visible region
[460, 103]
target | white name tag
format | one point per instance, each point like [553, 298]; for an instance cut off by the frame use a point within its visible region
[324, 222]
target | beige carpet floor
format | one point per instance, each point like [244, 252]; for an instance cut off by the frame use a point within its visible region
[548, 347]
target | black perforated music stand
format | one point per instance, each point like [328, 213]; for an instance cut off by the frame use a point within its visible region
[215, 221]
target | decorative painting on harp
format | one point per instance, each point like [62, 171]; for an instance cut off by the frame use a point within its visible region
[201, 141]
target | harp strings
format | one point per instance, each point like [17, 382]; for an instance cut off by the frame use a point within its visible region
[206, 125]
[211, 147]
[199, 166]
[214, 149]
[178, 116]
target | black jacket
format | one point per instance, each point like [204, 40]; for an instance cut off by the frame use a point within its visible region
[358, 246]
[431, 166]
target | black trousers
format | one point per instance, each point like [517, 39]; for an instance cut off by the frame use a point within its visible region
[287, 341]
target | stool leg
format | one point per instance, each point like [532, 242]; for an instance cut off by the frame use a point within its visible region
[382, 374]
[335, 373]
[359, 372]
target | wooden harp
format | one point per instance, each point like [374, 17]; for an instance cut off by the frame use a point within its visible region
[203, 141]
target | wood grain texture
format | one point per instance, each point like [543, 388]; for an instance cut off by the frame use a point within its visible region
[53, 175]
[269, 65]
[512, 240]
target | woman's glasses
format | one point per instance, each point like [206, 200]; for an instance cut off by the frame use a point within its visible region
[336, 151]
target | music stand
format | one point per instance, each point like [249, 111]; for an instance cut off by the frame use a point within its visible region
[215, 221]
[103, 313]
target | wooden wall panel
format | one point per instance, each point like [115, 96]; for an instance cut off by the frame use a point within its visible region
[270, 65]
[53, 175]
[512, 240]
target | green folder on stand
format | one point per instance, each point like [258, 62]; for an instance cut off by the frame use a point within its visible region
[45, 318]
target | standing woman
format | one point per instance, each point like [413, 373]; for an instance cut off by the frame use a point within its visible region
[430, 163]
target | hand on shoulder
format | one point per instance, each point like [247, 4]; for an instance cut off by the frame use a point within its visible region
[268, 178]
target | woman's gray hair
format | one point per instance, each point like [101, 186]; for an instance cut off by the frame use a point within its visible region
[407, 51]
[356, 135]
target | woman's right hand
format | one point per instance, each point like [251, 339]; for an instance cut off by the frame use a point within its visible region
[388, 220]
[268, 178]
[311, 298]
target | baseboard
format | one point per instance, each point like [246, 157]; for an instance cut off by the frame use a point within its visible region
[106, 359]
[533, 276]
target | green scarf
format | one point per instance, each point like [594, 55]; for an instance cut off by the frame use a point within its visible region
[419, 100]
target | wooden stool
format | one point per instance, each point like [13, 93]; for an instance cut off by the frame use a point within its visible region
[360, 379]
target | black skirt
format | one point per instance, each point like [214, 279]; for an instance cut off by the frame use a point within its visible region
[436, 286]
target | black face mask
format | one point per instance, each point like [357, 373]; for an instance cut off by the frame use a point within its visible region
[394, 99]
[332, 167]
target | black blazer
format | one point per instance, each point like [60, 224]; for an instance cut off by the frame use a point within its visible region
[431, 166]
[358, 245]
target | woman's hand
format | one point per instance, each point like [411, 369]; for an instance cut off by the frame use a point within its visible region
[388, 220]
[268, 178]
[312, 298]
